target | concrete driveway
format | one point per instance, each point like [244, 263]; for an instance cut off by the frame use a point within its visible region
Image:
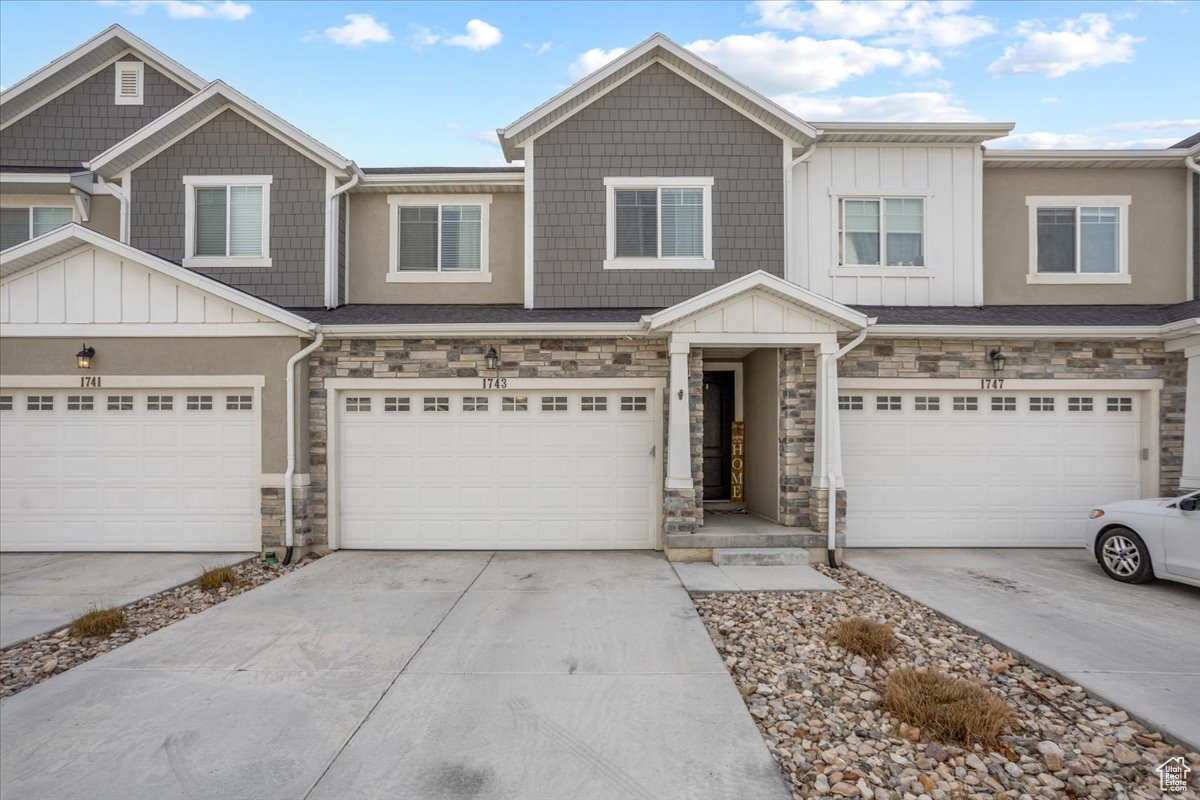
[41, 592]
[406, 675]
[1135, 646]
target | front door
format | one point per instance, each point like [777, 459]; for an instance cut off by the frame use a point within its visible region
[718, 434]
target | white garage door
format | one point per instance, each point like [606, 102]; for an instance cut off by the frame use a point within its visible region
[124, 469]
[1001, 469]
[459, 470]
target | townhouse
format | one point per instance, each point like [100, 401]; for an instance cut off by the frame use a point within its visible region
[687, 319]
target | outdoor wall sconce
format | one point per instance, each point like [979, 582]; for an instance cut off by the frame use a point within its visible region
[492, 359]
[84, 357]
[998, 360]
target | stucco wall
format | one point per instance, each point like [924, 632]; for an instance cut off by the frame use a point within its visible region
[760, 380]
[1157, 234]
[85, 120]
[266, 356]
[654, 124]
[370, 242]
[231, 145]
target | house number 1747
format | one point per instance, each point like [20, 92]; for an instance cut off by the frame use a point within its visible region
[991, 383]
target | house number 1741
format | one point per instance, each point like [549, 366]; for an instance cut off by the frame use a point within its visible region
[89, 381]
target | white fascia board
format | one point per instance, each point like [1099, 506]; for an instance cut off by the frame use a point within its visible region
[81, 180]
[1016, 331]
[981, 131]
[759, 279]
[159, 60]
[476, 330]
[444, 179]
[244, 105]
[79, 235]
[1071, 156]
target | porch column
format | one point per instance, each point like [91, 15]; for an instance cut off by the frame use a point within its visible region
[825, 436]
[1191, 422]
[679, 429]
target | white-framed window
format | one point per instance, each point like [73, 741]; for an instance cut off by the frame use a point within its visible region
[1041, 404]
[439, 238]
[850, 402]
[633, 402]
[927, 403]
[658, 223]
[475, 403]
[129, 83]
[435, 405]
[888, 402]
[1119, 404]
[199, 402]
[239, 402]
[881, 232]
[593, 403]
[227, 220]
[6, 402]
[120, 402]
[966, 403]
[1078, 239]
[1080, 404]
[160, 402]
[518, 403]
[395, 404]
[39, 402]
[22, 223]
[554, 403]
[358, 404]
[1004, 404]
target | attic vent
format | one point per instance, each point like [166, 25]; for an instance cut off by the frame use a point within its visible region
[129, 83]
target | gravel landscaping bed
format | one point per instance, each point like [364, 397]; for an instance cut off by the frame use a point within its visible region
[819, 707]
[33, 661]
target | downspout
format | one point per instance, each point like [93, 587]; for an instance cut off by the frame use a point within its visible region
[830, 432]
[331, 234]
[289, 492]
[123, 198]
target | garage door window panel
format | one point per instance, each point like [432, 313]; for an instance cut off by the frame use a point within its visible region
[396, 404]
[1120, 405]
[80, 402]
[888, 403]
[239, 402]
[39, 402]
[1004, 404]
[850, 402]
[156, 402]
[1080, 404]
[199, 402]
[6, 402]
[964, 403]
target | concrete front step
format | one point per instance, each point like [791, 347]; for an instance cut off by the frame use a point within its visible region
[760, 556]
[791, 537]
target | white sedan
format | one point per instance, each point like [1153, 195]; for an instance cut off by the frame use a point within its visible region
[1139, 540]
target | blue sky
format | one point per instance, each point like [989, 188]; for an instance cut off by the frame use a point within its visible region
[398, 84]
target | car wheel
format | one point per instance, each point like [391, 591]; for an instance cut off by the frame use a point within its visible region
[1124, 556]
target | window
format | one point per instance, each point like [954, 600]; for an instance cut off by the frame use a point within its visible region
[593, 403]
[884, 231]
[239, 402]
[120, 402]
[1041, 404]
[1078, 239]
[199, 402]
[1004, 404]
[130, 78]
[395, 404]
[520, 403]
[966, 404]
[475, 404]
[927, 403]
[6, 402]
[1079, 404]
[850, 402]
[80, 402]
[22, 223]
[436, 404]
[160, 402]
[358, 404]
[439, 238]
[888, 403]
[634, 403]
[659, 223]
[554, 403]
[227, 221]
[1120, 404]
[39, 402]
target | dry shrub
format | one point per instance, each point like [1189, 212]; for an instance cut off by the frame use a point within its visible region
[948, 709]
[864, 637]
[100, 622]
[217, 577]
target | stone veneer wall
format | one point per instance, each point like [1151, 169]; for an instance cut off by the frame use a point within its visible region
[683, 509]
[273, 518]
[463, 358]
[1033, 359]
[797, 436]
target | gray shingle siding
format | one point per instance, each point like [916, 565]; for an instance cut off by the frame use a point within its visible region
[231, 145]
[655, 124]
[85, 121]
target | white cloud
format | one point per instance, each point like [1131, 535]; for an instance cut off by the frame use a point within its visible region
[539, 49]
[488, 137]
[594, 59]
[1046, 140]
[902, 107]
[1050, 101]
[422, 36]
[918, 62]
[227, 10]
[359, 30]
[1156, 125]
[1086, 41]
[917, 23]
[479, 36]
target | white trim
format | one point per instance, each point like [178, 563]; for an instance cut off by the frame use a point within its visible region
[61, 201]
[530, 213]
[514, 383]
[757, 339]
[1075, 156]
[977, 229]
[738, 387]
[1120, 202]
[838, 217]
[397, 201]
[915, 132]
[277, 480]
[378, 179]
[196, 330]
[517, 329]
[193, 261]
[679, 443]
[886, 331]
[71, 381]
[612, 261]
[138, 69]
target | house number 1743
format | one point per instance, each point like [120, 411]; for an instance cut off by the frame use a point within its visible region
[495, 383]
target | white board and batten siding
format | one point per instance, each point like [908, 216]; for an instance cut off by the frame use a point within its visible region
[755, 312]
[93, 286]
[948, 178]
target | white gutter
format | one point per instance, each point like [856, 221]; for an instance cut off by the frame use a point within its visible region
[1190, 161]
[886, 331]
[122, 197]
[288, 475]
[400, 331]
[829, 434]
[331, 229]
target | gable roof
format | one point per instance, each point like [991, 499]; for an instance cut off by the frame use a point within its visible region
[196, 110]
[657, 49]
[67, 70]
[72, 236]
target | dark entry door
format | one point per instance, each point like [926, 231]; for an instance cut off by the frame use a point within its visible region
[718, 434]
